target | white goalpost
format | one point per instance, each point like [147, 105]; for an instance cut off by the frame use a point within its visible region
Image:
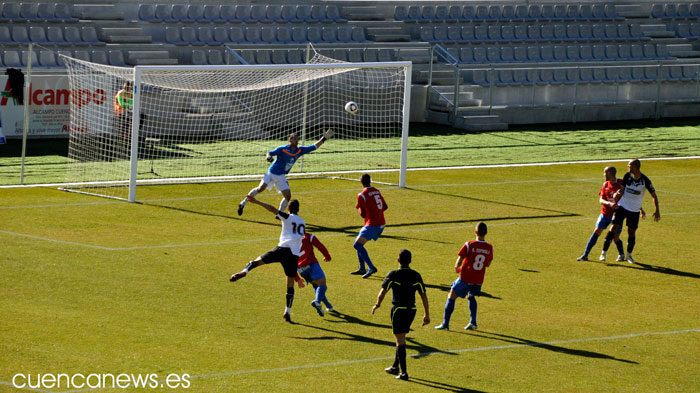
[194, 124]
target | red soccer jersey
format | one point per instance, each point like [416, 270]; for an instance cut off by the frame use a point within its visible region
[477, 257]
[372, 205]
[607, 192]
[306, 255]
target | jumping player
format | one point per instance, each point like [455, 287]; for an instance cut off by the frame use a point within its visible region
[404, 282]
[474, 257]
[287, 251]
[276, 175]
[631, 194]
[371, 206]
[311, 271]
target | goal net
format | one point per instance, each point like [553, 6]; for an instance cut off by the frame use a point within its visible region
[193, 124]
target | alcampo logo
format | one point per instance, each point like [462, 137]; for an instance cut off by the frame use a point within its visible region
[50, 97]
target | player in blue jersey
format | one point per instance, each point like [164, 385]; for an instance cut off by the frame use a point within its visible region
[276, 177]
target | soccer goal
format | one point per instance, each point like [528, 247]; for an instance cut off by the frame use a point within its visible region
[194, 124]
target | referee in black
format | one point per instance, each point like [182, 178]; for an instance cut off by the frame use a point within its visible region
[405, 282]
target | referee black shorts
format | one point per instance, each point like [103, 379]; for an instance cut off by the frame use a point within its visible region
[402, 318]
[284, 256]
[621, 214]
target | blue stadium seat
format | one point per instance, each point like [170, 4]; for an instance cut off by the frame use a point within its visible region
[482, 13]
[189, 35]
[81, 54]
[211, 13]
[586, 52]
[597, 13]
[99, 56]
[199, 57]
[624, 52]
[72, 35]
[585, 12]
[559, 53]
[163, 12]
[47, 59]
[495, 12]
[215, 57]
[468, 13]
[482, 77]
[520, 76]
[257, 14]
[147, 12]
[263, 56]
[480, 54]
[299, 34]
[427, 34]
[5, 36]
[237, 34]
[493, 54]
[195, 13]
[385, 55]
[318, 13]
[572, 32]
[533, 32]
[521, 33]
[455, 13]
[520, 54]
[37, 35]
[10, 12]
[508, 12]
[267, 34]
[273, 13]
[586, 31]
[611, 52]
[468, 32]
[242, 13]
[547, 32]
[178, 13]
[252, 34]
[657, 11]
[29, 11]
[494, 32]
[371, 55]
[547, 53]
[690, 72]
[329, 34]
[651, 73]
[116, 58]
[612, 74]
[313, 34]
[440, 33]
[303, 13]
[599, 52]
[546, 76]
[507, 54]
[695, 10]
[227, 13]
[454, 33]
[220, 35]
[611, 31]
[46, 12]
[59, 58]
[559, 76]
[534, 12]
[625, 74]
[401, 13]
[11, 58]
[333, 14]
[548, 12]
[279, 56]
[598, 32]
[572, 11]
[442, 13]
[637, 51]
[19, 35]
[572, 53]
[62, 13]
[172, 35]
[355, 55]
[205, 35]
[670, 11]
[427, 14]
[638, 74]
[284, 34]
[294, 56]
[89, 36]
[504, 77]
[599, 75]
[481, 33]
[559, 12]
[466, 54]
[288, 13]
[521, 13]
[559, 32]
[508, 32]
[358, 34]
[413, 13]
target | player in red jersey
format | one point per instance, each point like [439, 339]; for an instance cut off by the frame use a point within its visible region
[311, 271]
[371, 205]
[608, 206]
[474, 257]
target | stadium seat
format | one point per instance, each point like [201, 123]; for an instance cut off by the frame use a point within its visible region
[547, 12]
[612, 74]
[47, 59]
[508, 12]
[333, 14]
[288, 13]
[585, 12]
[215, 57]
[385, 55]
[585, 75]
[572, 11]
[236, 34]
[572, 53]
[37, 35]
[252, 34]
[547, 32]
[521, 32]
[599, 52]
[637, 52]
[427, 34]
[508, 32]
[507, 54]
[63, 13]
[454, 13]
[586, 31]
[220, 35]
[46, 12]
[454, 33]
[178, 13]
[19, 35]
[273, 13]
[493, 54]
[279, 56]
[147, 12]
[494, 32]
[481, 77]
[494, 12]
[670, 11]
[559, 53]
[257, 14]
[480, 54]
[651, 73]
[401, 13]
[520, 54]
[205, 35]
[99, 56]
[116, 58]
[466, 55]
[72, 35]
[559, 12]
[611, 52]
[211, 13]
[690, 72]
[623, 31]
[638, 74]
[482, 13]
[624, 52]
[355, 55]
[267, 34]
[598, 12]
[650, 51]
[294, 56]
[504, 77]
[468, 32]
[329, 34]
[611, 31]
[5, 36]
[598, 32]
[560, 32]
[533, 32]
[442, 13]
[189, 35]
[572, 32]
[657, 11]
[586, 52]
[81, 54]
[559, 76]
[172, 35]
[227, 13]
[534, 12]
[242, 14]
[520, 76]
[263, 56]
[163, 12]
[11, 58]
[413, 14]
[625, 74]
[521, 13]
[195, 13]
[468, 13]
[303, 13]
[59, 59]
[88, 35]
[29, 11]
[695, 10]
[10, 11]
[318, 13]
[284, 34]
[199, 57]
[481, 33]
[299, 34]
[546, 53]
[695, 29]
[313, 34]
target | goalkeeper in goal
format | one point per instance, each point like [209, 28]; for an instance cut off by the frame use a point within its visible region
[276, 176]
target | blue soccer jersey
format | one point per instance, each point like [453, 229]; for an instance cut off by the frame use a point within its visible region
[286, 157]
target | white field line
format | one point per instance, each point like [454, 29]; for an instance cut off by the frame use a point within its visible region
[355, 189]
[431, 168]
[389, 231]
[422, 354]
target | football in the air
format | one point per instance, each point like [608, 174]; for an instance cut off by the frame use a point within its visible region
[351, 107]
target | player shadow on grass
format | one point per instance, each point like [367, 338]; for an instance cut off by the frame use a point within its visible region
[446, 288]
[550, 347]
[442, 386]
[655, 269]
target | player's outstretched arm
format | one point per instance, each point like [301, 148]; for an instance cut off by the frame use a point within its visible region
[326, 135]
[270, 208]
[657, 214]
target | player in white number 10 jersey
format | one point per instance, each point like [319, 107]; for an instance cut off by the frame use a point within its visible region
[286, 252]
[474, 257]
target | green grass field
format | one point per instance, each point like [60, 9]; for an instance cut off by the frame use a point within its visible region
[89, 285]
